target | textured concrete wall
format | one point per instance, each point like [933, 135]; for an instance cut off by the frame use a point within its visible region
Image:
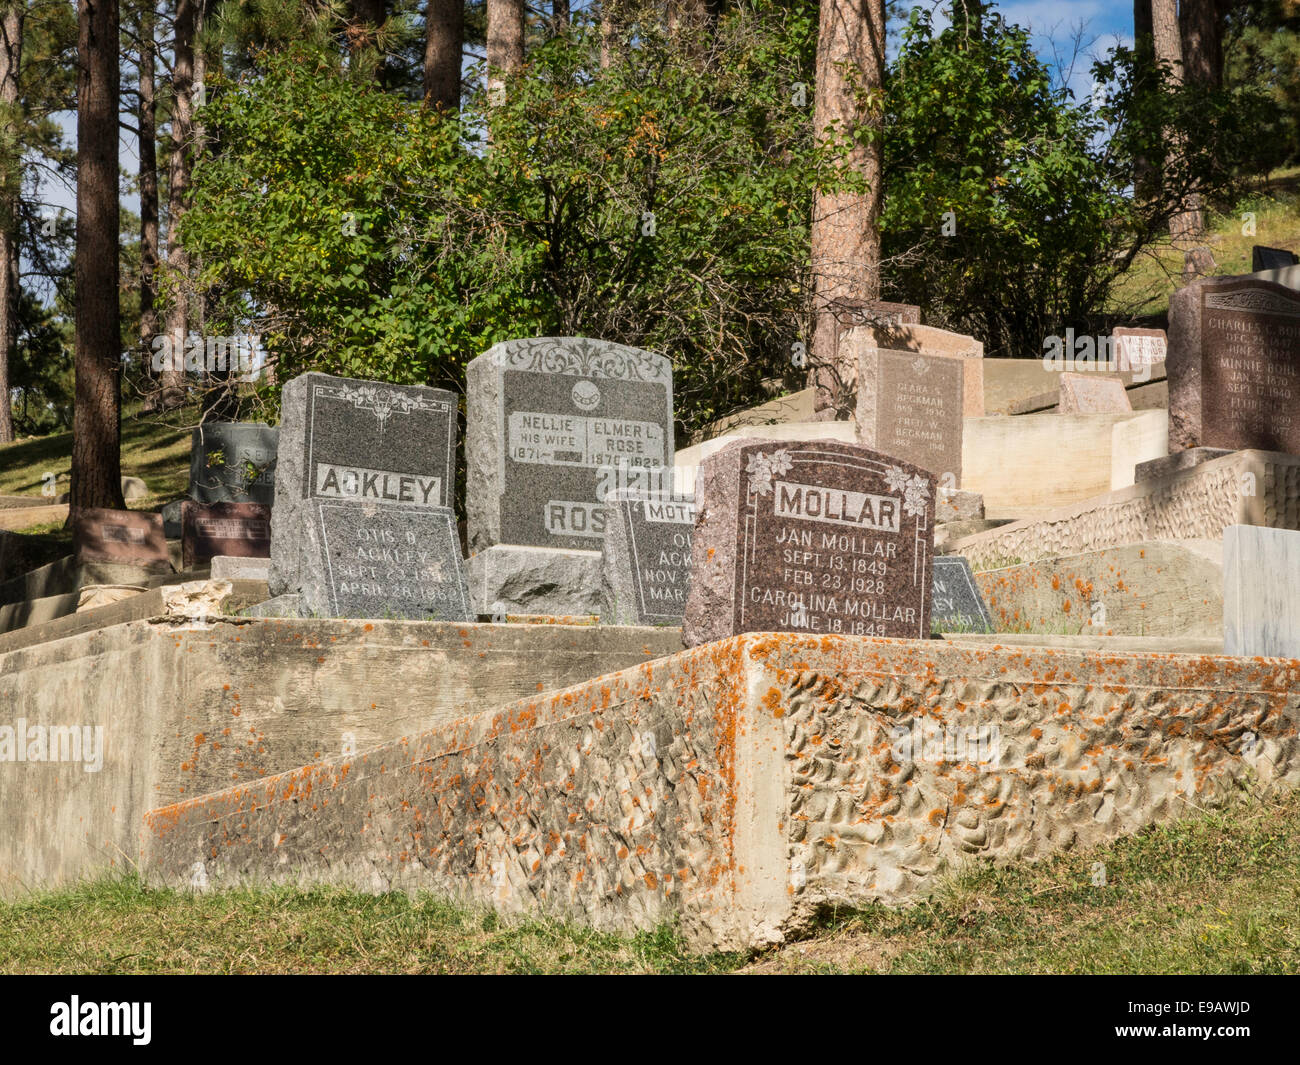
[744, 785]
[1243, 488]
[189, 707]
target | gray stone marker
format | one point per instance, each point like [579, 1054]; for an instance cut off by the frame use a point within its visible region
[555, 424]
[233, 462]
[1261, 591]
[646, 563]
[910, 406]
[956, 604]
[1083, 393]
[1234, 366]
[810, 536]
[363, 525]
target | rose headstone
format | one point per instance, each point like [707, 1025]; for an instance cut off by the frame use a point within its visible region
[364, 488]
[554, 425]
[810, 536]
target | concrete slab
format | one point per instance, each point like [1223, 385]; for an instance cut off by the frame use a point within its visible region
[17, 518]
[688, 459]
[1143, 438]
[774, 776]
[1243, 488]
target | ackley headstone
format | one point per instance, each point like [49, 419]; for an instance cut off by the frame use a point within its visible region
[129, 537]
[363, 521]
[554, 424]
[241, 530]
[956, 604]
[910, 406]
[233, 462]
[646, 565]
[1234, 366]
[810, 536]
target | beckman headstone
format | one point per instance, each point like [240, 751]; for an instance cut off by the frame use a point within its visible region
[810, 536]
[233, 462]
[910, 407]
[555, 424]
[956, 604]
[646, 565]
[241, 530]
[364, 486]
[130, 537]
[1234, 366]
[1090, 393]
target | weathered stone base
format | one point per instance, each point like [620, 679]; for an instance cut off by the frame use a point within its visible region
[743, 786]
[1159, 588]
[1241, 488]
[235, 568]
[511, 579]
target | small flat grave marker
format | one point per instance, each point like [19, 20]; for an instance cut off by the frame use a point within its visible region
[129, 537]
[1083, 393]
[240, 530]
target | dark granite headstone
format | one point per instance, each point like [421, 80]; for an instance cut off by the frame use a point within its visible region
[1263, 258]
[554, 425]
[956, 604]
[364, 485]
[1234, 366]
[647, 559]
[233, 462]
[910, 406]
[242, 530]
[810, 536]
[130, 537]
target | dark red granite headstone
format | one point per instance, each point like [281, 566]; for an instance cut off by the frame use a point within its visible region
[209, 529]
[810, 536]
[129, 537]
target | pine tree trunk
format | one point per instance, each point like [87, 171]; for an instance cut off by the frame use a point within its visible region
[185, 24]
[11, 46]
[147, 124]
[96, 435]
[444, 38]
[1201, 34]
[559, 15]
[1145, 176]
[505, 42]
[845, 225]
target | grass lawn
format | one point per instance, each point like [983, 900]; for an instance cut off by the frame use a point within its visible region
[1216, 893]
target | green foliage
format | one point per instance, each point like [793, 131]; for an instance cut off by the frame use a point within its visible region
[661, 202]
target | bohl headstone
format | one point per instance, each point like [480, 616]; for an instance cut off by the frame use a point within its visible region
[233, 462]
[238, 530]
[956, 604]
[1234, 366]
[910, 406]
[364, 487]
[128, 537]
[810, 536]
[555, 424]
[646, 564]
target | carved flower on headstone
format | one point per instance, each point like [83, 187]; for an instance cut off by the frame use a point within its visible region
[916, 496]
[896, 479]
[762, 468]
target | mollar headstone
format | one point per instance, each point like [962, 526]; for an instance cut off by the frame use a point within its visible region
[646, 564]
[810, 536]
[554, 425]
[363, 522]
[233, 462]
[1234, 366]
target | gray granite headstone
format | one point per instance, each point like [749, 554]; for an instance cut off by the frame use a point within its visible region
[363, 525]
[551, 422]
[955, 603]
[646, 572]
[233, 462]
[1265, 258]
[1261, 592]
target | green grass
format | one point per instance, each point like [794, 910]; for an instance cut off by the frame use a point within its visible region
[1216, 893]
